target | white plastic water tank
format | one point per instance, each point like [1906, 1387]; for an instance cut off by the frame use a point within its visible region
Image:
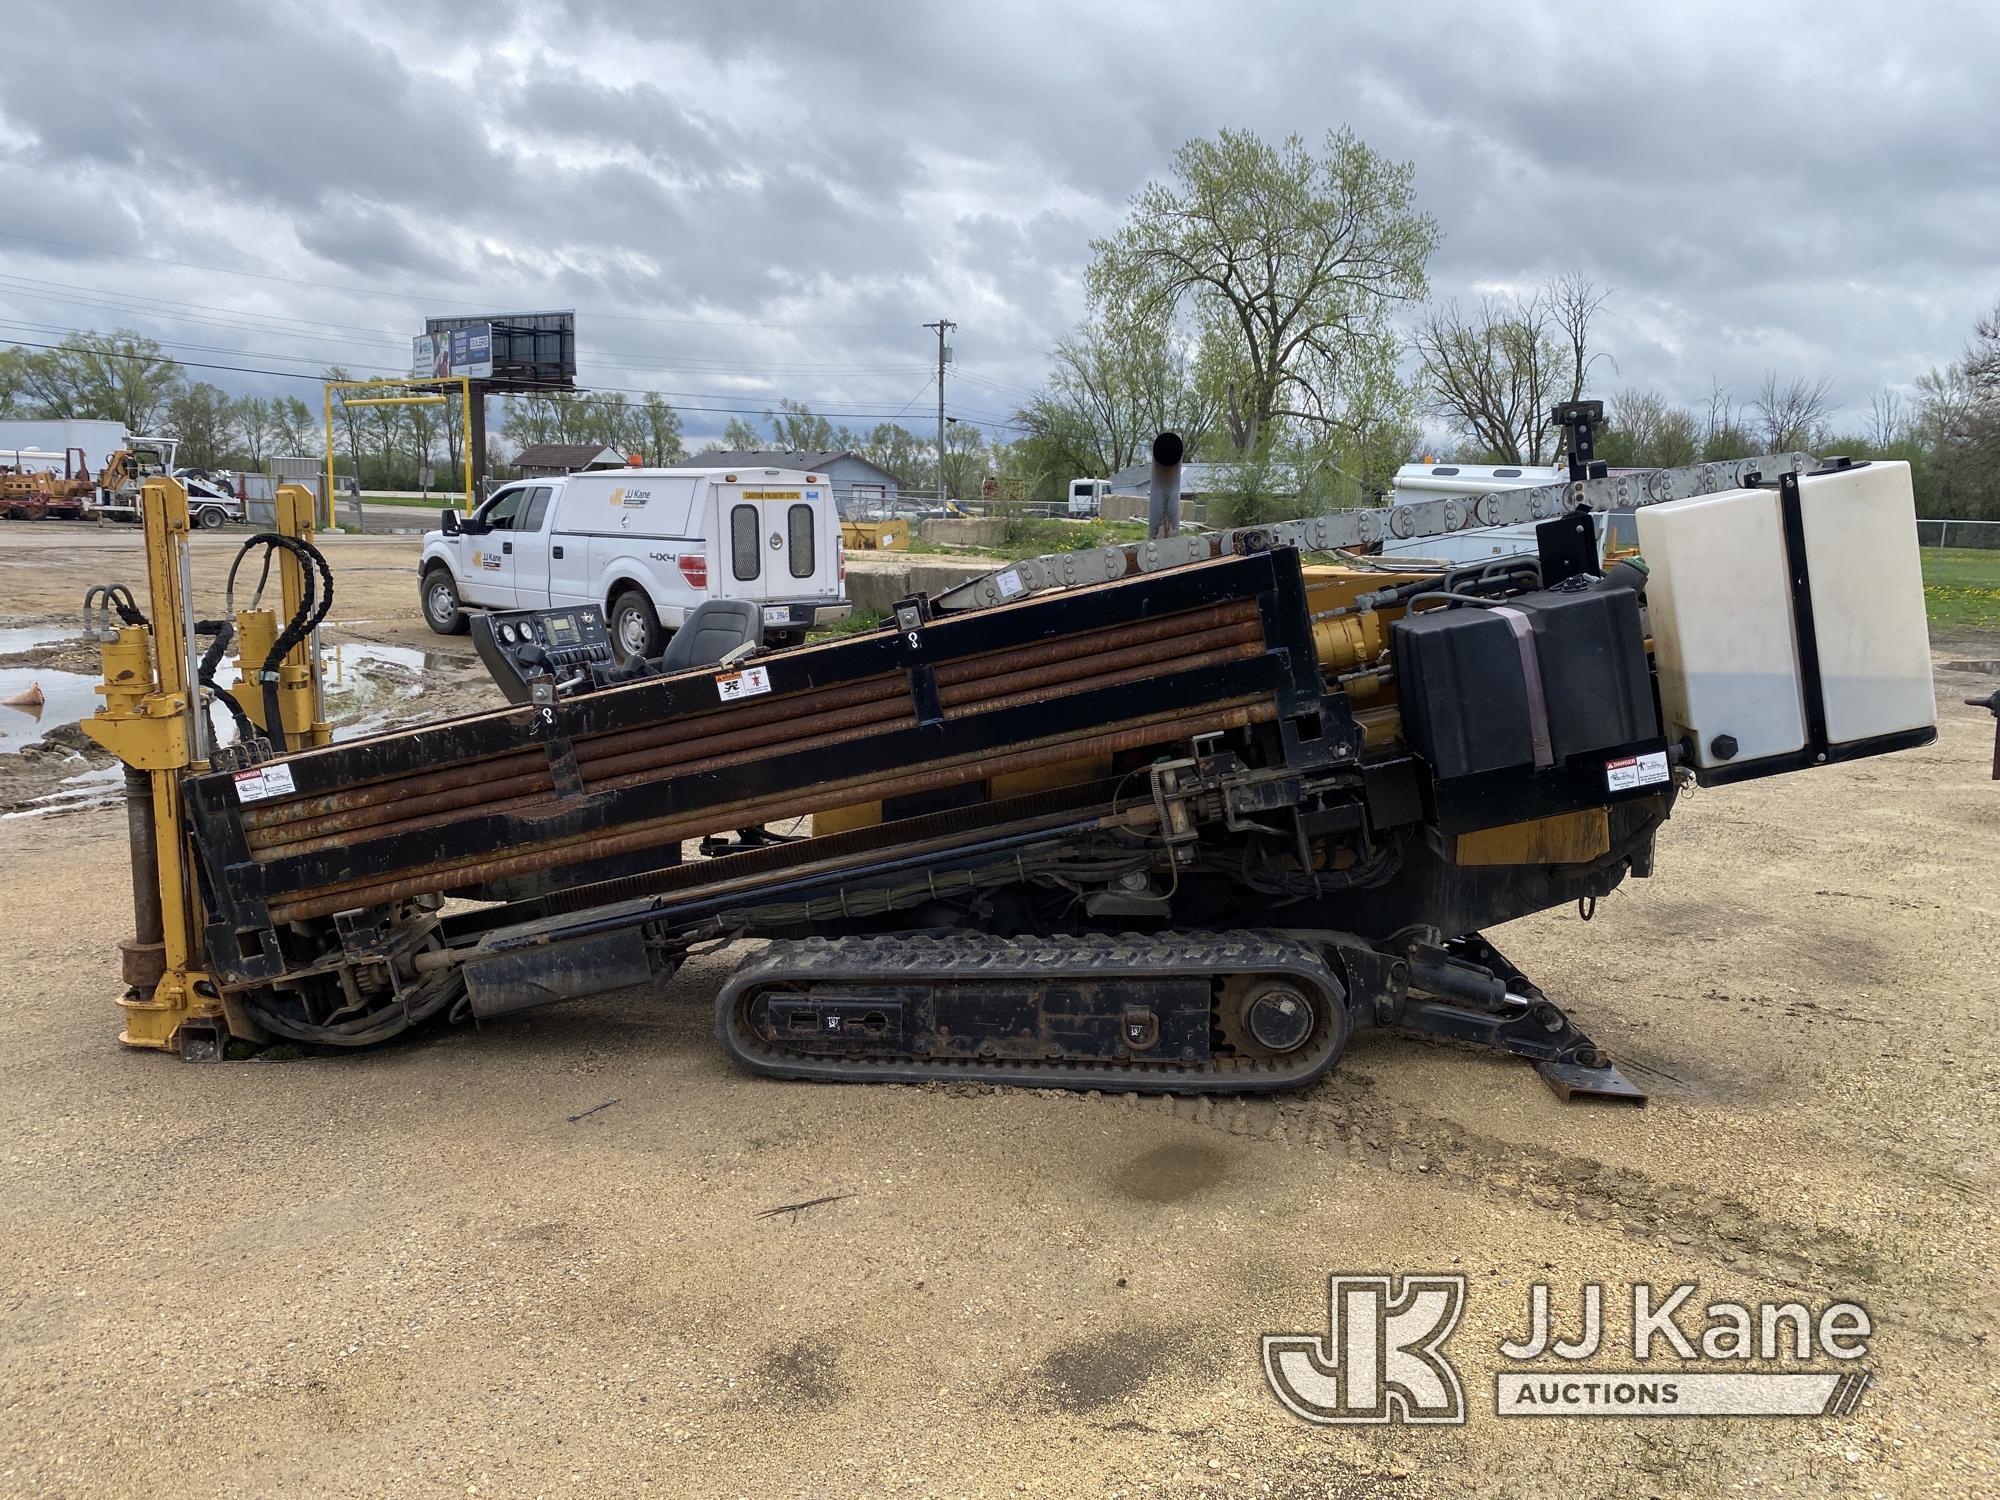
[1719, 606]
[1720, 612]
[1868, 601]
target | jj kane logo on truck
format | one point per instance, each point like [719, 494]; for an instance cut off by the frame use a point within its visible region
[1382, 1357]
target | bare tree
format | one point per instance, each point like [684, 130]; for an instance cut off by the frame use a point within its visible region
[1889, 420]
[1982, 357]
[1647, 430]
[1794, 414]
[1498, 369]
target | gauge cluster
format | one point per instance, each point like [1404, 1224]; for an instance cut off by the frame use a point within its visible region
[543, 643]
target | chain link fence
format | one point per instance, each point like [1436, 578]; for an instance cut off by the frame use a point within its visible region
[1941, 534]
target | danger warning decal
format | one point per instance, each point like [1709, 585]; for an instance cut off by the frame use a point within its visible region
[747, 683]
[1630, 771]
[265, 781]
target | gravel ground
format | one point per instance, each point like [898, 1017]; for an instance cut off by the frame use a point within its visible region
[411, 1272]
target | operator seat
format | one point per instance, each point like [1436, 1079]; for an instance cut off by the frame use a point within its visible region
[716, 628]
[711, 631]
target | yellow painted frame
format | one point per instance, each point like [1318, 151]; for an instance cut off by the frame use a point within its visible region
[464, 384]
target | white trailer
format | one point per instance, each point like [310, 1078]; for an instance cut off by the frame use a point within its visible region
[98, 440]
[1418, 482]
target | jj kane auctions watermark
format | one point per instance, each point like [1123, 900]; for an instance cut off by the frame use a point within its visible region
[1382, 1357]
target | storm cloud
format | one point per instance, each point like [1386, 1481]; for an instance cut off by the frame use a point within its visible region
[753, 201]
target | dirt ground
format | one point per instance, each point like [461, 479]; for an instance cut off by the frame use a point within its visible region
[415, 1272]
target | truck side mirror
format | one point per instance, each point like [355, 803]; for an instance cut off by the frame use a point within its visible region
[448, 519]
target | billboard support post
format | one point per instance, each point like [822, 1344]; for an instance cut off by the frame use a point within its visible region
[475, 436]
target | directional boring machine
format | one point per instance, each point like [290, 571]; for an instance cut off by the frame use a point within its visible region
[1175, 816]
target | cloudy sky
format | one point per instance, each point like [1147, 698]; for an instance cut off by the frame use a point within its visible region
[768, 198]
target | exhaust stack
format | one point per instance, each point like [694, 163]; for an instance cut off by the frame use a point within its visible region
[1163, 497]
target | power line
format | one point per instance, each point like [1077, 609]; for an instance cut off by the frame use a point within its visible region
[582, 394]
[693, 365]
[274, 323]
[361, 291]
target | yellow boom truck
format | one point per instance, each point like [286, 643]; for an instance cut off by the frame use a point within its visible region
[1173, 816]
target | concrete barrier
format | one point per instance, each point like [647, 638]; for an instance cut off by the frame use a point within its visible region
[876, 580]
[947, 533]
[1133, 508]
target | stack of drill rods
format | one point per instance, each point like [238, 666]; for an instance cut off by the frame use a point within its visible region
[470, 870]
[810, 720]
[805, 732]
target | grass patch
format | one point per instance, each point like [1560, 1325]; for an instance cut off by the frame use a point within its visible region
[454, 498]
[1962, 590]
[857, 623]
[1034, 536]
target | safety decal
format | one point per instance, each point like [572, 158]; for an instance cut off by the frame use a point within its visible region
[747, 683]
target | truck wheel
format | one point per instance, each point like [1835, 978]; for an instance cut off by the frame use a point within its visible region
[442, 611]
[211, 518]
[635, 628]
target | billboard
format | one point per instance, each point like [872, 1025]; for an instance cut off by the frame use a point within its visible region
[518, 351]
[466, 351]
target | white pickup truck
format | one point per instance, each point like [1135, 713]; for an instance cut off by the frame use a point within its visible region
[647, 546]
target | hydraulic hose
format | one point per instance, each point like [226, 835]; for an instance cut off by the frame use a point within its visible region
[315, 601]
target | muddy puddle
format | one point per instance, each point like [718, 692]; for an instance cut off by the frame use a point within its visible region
[48, 766]
[19, 638]
[65, 698]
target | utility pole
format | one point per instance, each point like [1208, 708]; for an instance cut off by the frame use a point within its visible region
[943, 326]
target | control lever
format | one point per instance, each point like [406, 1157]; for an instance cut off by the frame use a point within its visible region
[735, 654]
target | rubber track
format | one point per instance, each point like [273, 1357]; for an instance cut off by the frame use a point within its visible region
[919, 959]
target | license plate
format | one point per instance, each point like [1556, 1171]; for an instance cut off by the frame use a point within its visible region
[777, 614]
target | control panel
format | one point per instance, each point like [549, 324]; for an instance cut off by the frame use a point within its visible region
[558, 647]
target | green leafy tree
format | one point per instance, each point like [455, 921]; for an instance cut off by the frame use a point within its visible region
[1956, 425]
[601, 419]
[200, 416]
[252, 425]
[892, 446]
[348, 424]
[1113, 386]
[1285, 264]
[663, 440]
[795, 426]
[737, 434]
[425, 425]
[451, 421]
[964, 459]
[388, 430]
[119, 377]
[295, 429]
[15, 400]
